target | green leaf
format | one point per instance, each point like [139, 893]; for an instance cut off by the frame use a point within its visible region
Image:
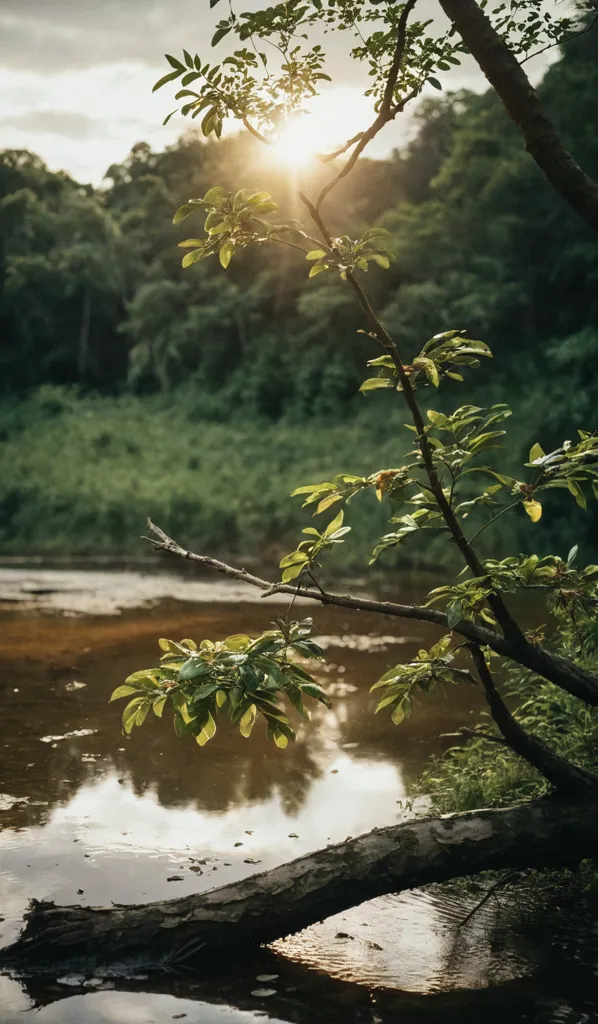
[158, 705]
[192, 257]
[292, 572]
[335, 524]
[454, 613]
[193, 668]
[129, 715]
[428, 366]
[536, 452]
[216, 195]
[382, 260]
[326, 502]
[373, 383]
[162, 81]
[226, 253]
[435, 83]
[315, 254]
[398, 714]
[123, 691]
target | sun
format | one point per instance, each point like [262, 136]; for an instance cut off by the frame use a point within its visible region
[299, 141]
[328, 122]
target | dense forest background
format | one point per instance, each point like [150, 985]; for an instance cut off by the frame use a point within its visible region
[130, 387]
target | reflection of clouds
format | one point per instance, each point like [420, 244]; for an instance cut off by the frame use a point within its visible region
[136, 1008]
[117, 845]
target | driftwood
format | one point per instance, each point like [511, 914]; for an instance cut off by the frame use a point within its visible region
[549, 832]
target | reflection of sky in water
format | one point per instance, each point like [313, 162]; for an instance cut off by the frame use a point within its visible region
[119, 1008]
[116, 845]
[90, 818]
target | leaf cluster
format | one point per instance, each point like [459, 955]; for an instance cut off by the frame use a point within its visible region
[305, 557]
[347, 255]
[427, 669]
[234, 221]
[244, 676]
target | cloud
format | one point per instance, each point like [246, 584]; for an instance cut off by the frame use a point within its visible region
[66, 123]
[52, 36]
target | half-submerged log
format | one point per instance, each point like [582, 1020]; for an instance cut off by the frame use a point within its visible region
[549, 832]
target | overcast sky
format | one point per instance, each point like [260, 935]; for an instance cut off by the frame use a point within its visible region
[76, 77]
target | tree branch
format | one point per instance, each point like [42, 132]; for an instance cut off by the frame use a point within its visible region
[521, 102]
[501, 612]
[562, 774]
[556, 670]
[387, 111]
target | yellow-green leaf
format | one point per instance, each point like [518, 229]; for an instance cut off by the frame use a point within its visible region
[536, 452]
[533, 509]
[247, 722]
[123, 691]
[225, 253]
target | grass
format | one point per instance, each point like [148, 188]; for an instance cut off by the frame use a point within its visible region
[80, 475]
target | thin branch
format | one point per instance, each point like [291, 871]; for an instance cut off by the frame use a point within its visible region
[561, 42]
[475, 734]
[562, 774]
[325, 158]
[365, 139]
[253, 131]
[555, 669]
[510, 877]
[387, 111]
[507, 508]
[501, 612]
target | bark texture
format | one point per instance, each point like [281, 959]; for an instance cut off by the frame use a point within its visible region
[521, 102]
[545, 833]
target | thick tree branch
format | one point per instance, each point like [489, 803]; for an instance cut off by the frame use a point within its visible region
[545, 833]
[556, 670]
[521, 102]
[562, 774]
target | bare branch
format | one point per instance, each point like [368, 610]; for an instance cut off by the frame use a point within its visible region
[556, 670]
[562, 774]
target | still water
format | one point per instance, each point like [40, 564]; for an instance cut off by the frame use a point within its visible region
[90, 817]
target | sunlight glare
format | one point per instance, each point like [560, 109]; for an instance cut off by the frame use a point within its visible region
[330, 120]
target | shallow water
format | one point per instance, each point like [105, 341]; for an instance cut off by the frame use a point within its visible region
[90, 817]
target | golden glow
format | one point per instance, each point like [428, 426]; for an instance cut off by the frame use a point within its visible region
[332, 119]
[298, 142]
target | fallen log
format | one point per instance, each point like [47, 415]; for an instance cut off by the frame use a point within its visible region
[549, 832]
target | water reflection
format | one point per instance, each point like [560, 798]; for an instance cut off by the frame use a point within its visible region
[90, 817]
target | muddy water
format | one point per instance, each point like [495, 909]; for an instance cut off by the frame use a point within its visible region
[90, 817]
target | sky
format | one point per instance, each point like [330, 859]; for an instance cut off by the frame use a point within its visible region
[76, 79]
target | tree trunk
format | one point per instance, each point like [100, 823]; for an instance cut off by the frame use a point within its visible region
[545, 833]
[521, 102]
[83, 349]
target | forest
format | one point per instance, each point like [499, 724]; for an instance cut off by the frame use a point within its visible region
[130, 387]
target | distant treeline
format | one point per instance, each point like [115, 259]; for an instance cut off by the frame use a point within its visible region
[93, 297]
